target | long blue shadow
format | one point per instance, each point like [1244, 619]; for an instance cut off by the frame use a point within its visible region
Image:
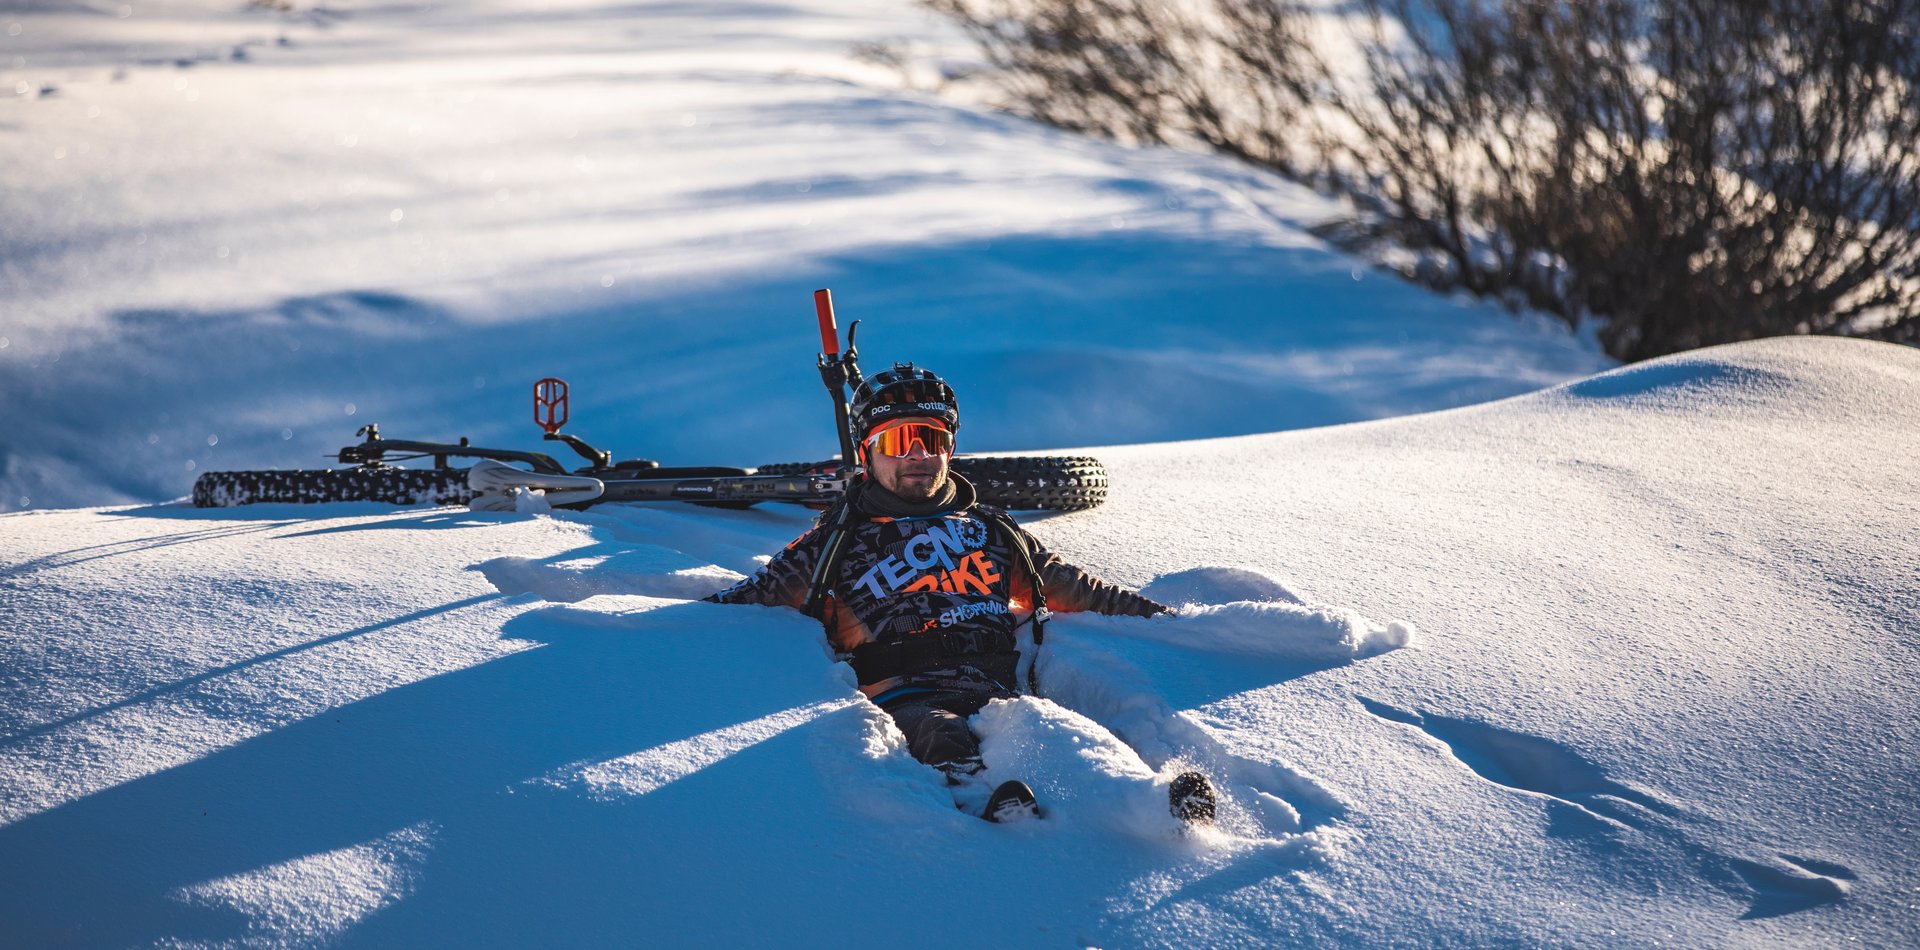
[445, 752]
[1053, 341]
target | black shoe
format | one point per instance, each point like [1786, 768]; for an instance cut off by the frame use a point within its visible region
[1012, 801]
[1190, 797]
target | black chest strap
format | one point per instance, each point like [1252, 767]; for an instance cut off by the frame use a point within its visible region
[1016, 540]
[916, 653]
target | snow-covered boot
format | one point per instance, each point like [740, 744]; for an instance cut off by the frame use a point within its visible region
[1190, 797]
[1012, 801]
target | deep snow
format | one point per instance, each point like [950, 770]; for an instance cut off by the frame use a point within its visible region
[1641, 671]
[1626, 661]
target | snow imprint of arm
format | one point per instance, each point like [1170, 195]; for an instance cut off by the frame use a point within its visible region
[1282, 631]
[1245, 612]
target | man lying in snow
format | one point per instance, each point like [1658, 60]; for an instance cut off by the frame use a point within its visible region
[922, 589]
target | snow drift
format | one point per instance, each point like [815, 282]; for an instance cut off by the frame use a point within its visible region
[1627, 661]
[1661, 689]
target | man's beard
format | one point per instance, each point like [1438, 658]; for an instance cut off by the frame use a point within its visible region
[919, 489]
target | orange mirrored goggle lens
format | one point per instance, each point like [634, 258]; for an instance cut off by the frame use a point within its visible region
[899, 439]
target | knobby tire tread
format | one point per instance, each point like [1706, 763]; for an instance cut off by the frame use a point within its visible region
[1054, 482]
[393, 486]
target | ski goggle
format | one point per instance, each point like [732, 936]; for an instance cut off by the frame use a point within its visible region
[896, 439]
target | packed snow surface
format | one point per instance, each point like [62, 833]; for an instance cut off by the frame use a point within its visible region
[1625, 659]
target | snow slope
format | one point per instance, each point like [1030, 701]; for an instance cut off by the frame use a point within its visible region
[1640, 670]
[1627, 661]
[233, 238]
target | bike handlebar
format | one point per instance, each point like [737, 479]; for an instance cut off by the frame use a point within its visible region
[829, 330]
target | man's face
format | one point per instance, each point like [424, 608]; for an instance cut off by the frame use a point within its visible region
[917, 476]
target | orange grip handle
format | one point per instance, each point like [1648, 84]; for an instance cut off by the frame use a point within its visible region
[829, 331]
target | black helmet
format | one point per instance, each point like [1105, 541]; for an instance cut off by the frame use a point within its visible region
[902, 391]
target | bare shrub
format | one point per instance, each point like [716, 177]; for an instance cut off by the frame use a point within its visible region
[1230, 75]
[1696, 171]
[1693, 171]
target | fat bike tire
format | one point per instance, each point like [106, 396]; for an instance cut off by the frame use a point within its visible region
[393, 486]
[1021, 483]
[1049, 482]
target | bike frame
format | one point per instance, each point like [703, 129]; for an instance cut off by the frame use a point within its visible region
[641, 480]
[373, 452]
[742, 489]
[497, 479]
[626, 482]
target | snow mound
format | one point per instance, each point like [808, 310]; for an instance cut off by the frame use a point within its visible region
[1776, 372]
[1218, 585]
[1283, 631]
[1079, 771]
[1696, 376]
[1664, 664]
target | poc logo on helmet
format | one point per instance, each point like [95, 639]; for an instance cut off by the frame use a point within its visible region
[905, 390]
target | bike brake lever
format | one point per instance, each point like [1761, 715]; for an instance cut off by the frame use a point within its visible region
[827, 484]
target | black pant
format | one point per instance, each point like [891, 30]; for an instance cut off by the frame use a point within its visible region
[935, 724]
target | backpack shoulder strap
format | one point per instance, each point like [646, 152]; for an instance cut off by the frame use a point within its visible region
[839, 519]
[1017, 540]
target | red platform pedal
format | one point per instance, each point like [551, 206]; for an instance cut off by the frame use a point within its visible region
[550, 404]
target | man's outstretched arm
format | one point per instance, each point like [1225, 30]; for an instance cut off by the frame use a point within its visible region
[783, 582]
[1068, 588]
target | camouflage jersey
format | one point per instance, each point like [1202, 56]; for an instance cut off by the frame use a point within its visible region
[951, 575]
